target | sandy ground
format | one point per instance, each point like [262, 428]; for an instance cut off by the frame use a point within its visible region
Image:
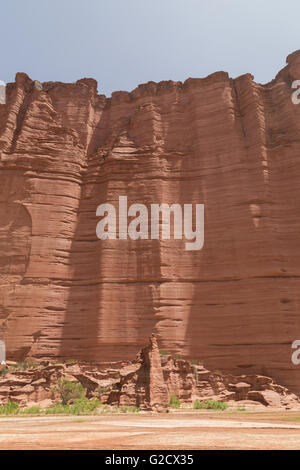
[182, 430]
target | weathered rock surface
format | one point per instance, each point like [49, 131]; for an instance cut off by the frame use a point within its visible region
[148, 383]
[145, 386]
[231, 144]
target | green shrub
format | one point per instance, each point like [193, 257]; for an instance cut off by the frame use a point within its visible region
[80, 406]
[174, 402]
[135, 409]
[57, 408]
[33, 410]
[68, 390]
[10, 408]
[93, 404]
[163, 352]
[210, 405]
[84, 406]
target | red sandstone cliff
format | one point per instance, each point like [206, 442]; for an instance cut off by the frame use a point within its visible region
[231, 144]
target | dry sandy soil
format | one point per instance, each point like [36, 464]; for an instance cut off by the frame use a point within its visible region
[182, 430]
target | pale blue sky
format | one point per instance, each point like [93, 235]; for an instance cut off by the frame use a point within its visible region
[122, 43]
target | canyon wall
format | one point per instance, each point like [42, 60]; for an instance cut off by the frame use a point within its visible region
[231, 144]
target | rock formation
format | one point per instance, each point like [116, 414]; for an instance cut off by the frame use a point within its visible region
[145, 386]
[231, 144]
[147, 383]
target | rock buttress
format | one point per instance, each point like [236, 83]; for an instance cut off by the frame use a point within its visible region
[230, 144]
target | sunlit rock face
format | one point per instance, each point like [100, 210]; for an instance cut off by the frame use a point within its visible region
[230, 144]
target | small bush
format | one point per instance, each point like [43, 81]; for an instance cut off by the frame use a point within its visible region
[78, 407]
[135, 409]
[93, 404]
[163, 352]
[84, 406]
[68, 391]
[57, 408]
[198, 405]
[33, 410]
[10, 408]
[174, 402]
[210, 405]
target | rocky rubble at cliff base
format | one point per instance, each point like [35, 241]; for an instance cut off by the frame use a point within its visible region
[148, 383]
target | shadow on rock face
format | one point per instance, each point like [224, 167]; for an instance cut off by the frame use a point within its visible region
[15, 242]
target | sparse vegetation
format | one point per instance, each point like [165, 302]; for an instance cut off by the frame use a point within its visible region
[33, 410]
[68, 391]
[19, 366]
[10, 408]
[174, 402]
[81, 406]
[241, 408]
[84, 406]
[210, 405]
[57, 408]
[164, 352]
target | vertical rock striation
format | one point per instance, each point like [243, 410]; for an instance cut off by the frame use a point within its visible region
[231, 144]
